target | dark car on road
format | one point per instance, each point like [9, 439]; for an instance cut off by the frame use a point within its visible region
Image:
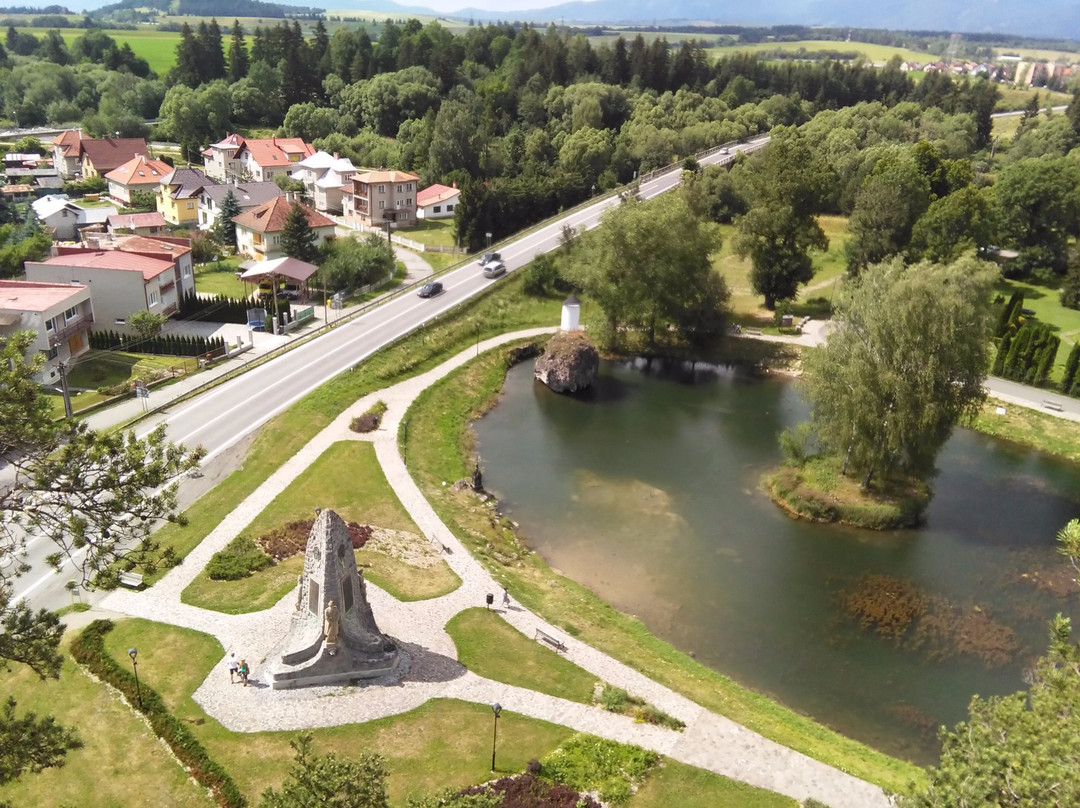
[488, 257]
[430, 289]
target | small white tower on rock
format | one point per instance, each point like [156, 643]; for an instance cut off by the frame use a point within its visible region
[571, 314]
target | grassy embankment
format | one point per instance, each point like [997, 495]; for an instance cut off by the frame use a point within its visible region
[439, 447]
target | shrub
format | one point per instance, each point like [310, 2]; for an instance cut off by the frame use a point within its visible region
[586, 763]
[370, 420]
[89, 651]
[240, 558]
[795, 443]
[529, 791]
[1071, 365]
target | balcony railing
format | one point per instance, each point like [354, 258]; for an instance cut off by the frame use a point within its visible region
[70, 328]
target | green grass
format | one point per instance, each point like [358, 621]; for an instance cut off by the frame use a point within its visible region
[878, 54]
[490, 647]
[407, 582]
[439, 445]
[1027, 427]
[158, 48]
[107, 368]
[121, 764]
[439, 232]
[674, 783]
[829, 267]
[219, 278]
[1019, 97]
[346, 478]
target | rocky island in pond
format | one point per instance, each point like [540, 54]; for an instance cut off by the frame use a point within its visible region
[569, 363]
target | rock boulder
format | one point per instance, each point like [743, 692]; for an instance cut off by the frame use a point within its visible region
[569, 363]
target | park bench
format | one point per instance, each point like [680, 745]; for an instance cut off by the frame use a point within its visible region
[753, 332]
[132, 580]
[1053, 405]
[543, 636]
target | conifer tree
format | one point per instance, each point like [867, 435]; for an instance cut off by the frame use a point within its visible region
[238, 55]
[297, 237]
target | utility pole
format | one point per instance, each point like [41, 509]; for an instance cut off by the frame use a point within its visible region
[68, 412]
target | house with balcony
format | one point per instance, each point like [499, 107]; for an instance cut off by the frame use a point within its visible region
[125, 274]
[437, 202]
[249, 195]
[238, 159]
[376, 198]
[325, 177]
[137, 174]
[178, 195]
[59, 314]
[258, 232]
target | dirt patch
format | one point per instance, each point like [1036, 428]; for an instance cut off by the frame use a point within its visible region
[291, 539]
[409, 548]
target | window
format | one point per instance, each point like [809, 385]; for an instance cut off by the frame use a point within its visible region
[52, 353]
[187, 271]
[191, 206]
[72, 313]
[399, 189]
[408, 202]
[152, 298]
[50, 324]
[437, 209]
[408, 187]
[449, 208]
[121, 321]
[382, 204]
[382, 189]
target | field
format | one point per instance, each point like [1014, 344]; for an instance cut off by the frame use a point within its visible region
[158, 48]
[878, 54]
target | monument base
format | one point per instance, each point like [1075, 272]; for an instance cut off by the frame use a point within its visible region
[343, 667]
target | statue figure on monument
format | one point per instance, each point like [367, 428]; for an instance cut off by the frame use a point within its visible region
[477, 477]
[330, 626]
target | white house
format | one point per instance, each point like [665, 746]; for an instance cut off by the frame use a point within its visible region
[437, 202]
[59, 314]
[65, 217]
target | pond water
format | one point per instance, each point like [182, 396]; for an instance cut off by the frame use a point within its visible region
[646, 490]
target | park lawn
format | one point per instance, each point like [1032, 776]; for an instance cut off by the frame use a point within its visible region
[96, 369]
[829, 267]
[490, 647]
[1045, 301]
[1027, 427]
[878, 54]
[675, 783]
[439, 446]
[439, 232]
[122, 762]
[219, 278]
[407, 582]
[443, 743]
[158, 48]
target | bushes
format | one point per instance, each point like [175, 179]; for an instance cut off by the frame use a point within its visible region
[612, 770]
[240, 558]
[529, 791]
[89, 650]
[1029, 356]
[370, 420]
[161, 345]
[616, 700]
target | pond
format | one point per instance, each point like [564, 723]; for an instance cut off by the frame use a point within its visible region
[646, 490]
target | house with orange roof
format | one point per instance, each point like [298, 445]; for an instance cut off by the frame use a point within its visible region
[59, 314]
[238, 159]
[258, 231]
[125, 275]
[437, 201]
[137, 174]
[381, 198]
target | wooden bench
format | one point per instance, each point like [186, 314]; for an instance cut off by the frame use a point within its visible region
[1053, 405]
[543, 636]
[754, 332]
[132, 580]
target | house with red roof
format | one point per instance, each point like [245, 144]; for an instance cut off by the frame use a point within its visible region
[137, 174]
[437, 202]
[238, 159]
[67, 153]
[258, 231]
[138, 224]
[124, 275]
[59, 314]
[379, 198]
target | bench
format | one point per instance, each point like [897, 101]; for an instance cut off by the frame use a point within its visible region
[753, 332]
[543, 636]
[132, 580]
[1053, 405]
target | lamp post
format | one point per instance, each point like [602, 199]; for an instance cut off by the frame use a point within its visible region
[477, 337]
[487, 239]
[495, 708]
[132, 652]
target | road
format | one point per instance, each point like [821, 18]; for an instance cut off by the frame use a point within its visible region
[221, 417]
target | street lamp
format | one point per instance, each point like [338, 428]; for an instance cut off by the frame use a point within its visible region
[477, 337]
[487, 237]
[132, 652]
[495, 708]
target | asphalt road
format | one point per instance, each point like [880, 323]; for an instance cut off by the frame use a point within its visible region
[221, 417]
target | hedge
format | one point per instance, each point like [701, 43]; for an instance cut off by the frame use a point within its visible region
[89, 651]
[161, 345]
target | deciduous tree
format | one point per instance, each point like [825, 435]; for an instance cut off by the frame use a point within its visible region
[329, 781]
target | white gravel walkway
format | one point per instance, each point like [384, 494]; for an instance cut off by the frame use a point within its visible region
[709, 741]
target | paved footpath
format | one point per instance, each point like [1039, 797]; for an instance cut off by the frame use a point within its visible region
[709, 741]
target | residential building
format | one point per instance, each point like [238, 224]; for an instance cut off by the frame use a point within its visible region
[258, 232]
[178, 195]
[437, 202]
[99, 157]
[59, 314]
[66, 218]
[325, 177]
[67, 153]
[237, 159]
[121, 283]
[137, 174]
[376, 198]
[138, 224]
[249, 195]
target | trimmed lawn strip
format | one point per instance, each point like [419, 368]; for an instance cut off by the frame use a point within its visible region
[258, 591]
[503, 309]
[1031, 428]
[675, 783]
[122, 762]
[406, 582]
[490, 647]
[439, 449]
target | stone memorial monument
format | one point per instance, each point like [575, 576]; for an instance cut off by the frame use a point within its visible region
[333, 638]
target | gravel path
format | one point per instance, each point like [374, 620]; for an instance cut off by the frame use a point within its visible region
[709, 741]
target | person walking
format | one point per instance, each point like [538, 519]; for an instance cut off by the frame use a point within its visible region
[506, 597]
[244, 671]
[234, 668]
